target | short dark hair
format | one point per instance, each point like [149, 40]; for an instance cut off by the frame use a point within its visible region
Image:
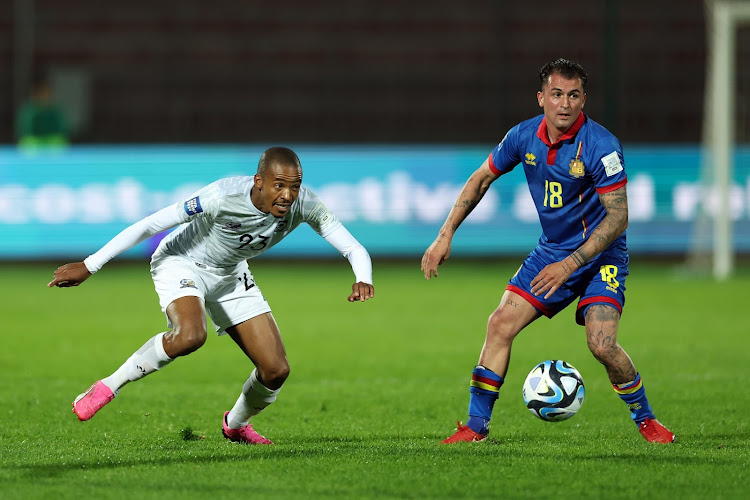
[564, 67]
[280, 155]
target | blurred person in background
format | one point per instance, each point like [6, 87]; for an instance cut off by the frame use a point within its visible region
[41, 122]
[201, 267]
[576, 175]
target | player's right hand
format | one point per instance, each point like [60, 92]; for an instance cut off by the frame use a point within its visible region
[436, 254]
[361, 291]
[69, 275]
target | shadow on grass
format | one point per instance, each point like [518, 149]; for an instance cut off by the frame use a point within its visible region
[335, 447]
[331, 447]
[52, 469]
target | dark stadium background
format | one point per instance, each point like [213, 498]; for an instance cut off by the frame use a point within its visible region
[364, 71]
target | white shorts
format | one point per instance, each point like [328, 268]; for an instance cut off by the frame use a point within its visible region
[230, 295]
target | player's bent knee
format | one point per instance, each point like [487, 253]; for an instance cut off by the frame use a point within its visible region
[274, 377]
[605, 353]
[601, 333]
[500, 328]
[599, 354]
[188, 339]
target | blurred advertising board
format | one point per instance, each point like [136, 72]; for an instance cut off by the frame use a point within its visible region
[67, 203]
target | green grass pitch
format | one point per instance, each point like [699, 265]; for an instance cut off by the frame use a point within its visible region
[374, 387]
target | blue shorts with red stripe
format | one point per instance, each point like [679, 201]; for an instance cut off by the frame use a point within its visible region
[601, 281]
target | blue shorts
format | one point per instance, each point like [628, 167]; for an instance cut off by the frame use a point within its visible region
[601, 281]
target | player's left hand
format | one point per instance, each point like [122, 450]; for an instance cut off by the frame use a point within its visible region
[69, 275]
[361, 291]
[550, 279]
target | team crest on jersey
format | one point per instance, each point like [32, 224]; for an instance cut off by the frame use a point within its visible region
[577, 168]
[193, 206]
[530, 159]
[187, 284]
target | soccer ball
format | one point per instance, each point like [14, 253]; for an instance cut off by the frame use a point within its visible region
[553, 391]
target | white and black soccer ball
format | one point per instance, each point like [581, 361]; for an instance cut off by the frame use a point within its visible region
[553, 390]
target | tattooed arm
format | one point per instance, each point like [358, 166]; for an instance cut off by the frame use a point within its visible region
[470, 195]
[610, 228]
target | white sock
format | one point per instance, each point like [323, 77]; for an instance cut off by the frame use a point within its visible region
[254, 399]
[149, 358]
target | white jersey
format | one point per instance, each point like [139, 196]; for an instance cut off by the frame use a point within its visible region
[221, 226]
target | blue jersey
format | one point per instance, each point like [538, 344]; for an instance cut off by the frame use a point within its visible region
[565, 178]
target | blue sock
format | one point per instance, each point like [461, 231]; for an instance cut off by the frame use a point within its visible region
[634, 395]
[484, 390]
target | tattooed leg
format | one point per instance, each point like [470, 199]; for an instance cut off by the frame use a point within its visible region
[601, 335]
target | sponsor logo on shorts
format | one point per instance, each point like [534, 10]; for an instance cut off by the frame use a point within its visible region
[187, 284]
[193, 206]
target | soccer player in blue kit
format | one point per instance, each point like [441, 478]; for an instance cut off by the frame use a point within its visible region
[575, 171]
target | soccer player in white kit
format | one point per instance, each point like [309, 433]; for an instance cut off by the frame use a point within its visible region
[202, 267]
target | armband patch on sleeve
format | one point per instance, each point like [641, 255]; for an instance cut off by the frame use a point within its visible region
[612, 164]
[320, 215]
[193, 206]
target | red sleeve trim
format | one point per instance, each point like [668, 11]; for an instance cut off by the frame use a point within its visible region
[612, 187]
[491, 163]
[531, 300]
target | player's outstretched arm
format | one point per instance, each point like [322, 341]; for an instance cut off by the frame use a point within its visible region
[469, 197]
[69, 275]
[361, 291]
[76, 273]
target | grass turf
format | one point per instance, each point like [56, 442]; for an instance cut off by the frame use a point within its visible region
[374, 388]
